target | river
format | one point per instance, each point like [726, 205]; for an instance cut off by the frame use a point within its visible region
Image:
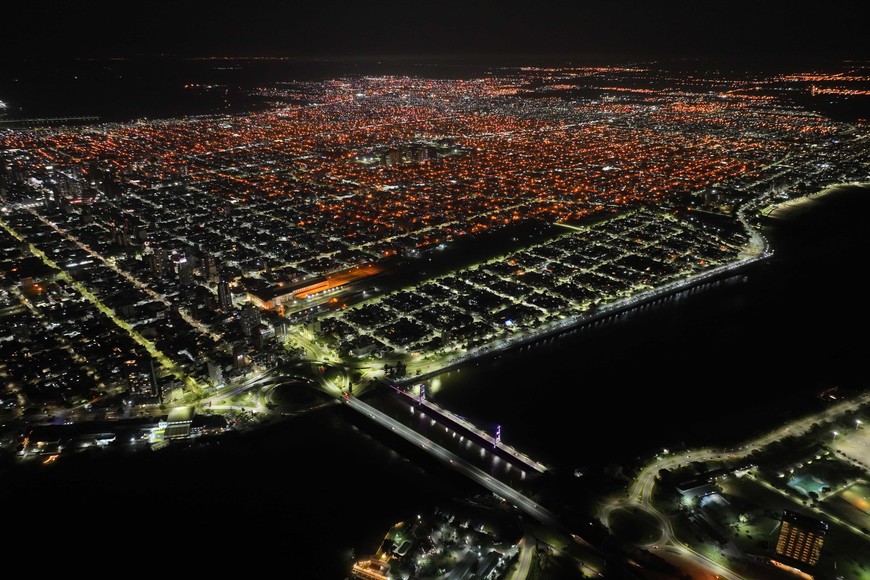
[301, 494]
[705, 367]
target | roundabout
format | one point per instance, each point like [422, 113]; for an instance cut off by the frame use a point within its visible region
[293, 396]
[635, 525]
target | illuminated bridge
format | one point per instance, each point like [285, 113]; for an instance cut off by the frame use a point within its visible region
[497, 487]
[474, 429]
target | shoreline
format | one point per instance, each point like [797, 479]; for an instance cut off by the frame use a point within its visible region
[779, 210]
[579, 321]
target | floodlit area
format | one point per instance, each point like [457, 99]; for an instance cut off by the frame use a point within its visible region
[855, 446]
[450, 543]
[852, 505]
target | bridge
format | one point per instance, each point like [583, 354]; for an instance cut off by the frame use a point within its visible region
[339, 387]
[526, 505]
[472, 428]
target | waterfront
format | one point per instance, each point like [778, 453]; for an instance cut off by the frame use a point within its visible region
[305, 491]
[787, 312]
[790, 312]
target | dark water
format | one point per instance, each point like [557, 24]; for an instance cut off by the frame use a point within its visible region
[303, 493]
[142, 87]
[704, 368]
[298, 496]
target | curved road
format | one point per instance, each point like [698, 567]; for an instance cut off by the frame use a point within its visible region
[640, 491]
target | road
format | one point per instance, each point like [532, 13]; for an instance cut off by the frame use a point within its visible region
[502, 490]
[524, 563]
[536, 465]
[435, 366]
[641, 490]
[232, 390]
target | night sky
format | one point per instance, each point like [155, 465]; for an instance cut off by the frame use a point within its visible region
[411, 28]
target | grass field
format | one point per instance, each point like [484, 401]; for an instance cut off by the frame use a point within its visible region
[852, 505]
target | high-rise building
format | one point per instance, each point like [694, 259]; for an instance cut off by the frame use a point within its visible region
[249, 318]
[800, 538]
[420, 152]
[240, 359]
[209, 268]
[185, 273]
[262, 333]
[48, 197]
[141, 379]
[225, 297]
[158, 261]
[392, 157]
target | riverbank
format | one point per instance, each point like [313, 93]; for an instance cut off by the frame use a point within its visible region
[782, 209]
[584, 319]
[677, 372]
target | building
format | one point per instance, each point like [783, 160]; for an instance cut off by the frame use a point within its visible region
[270, 297]
[185, 273]
[209, 268]
[275, 296]
[371, 570]
[261, 334]
[696, 488]
[249, 318]
[177, 424]
[158, 261]
[225, 296]
[142, 380]
[392, 157]
[420, 152]
[240, 358]
[800, 539]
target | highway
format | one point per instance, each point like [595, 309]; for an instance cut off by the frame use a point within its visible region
[259, 379]
[502, 490]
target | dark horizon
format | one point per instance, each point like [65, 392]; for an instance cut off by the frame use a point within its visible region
[392, 29]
